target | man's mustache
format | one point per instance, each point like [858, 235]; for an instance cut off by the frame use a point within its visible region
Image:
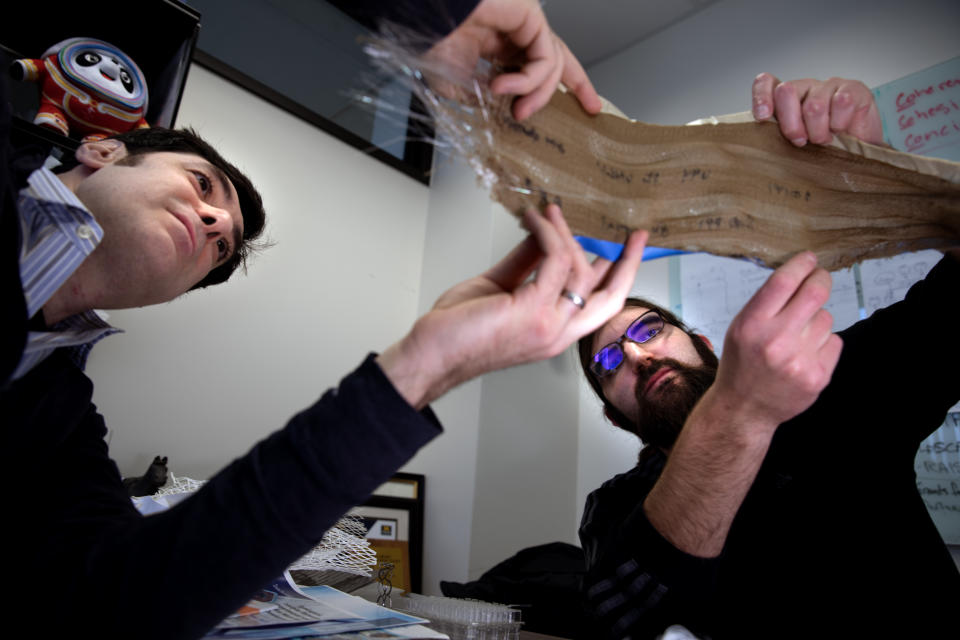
[649, 371]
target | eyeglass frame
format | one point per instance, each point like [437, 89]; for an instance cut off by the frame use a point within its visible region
[595, 366]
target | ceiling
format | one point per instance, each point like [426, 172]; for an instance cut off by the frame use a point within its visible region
[599, 29]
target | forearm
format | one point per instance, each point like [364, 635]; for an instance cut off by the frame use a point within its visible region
[430, 360]
[272, 505]
[778, 356]
[419, 382]
[206, 556]
[708, 474]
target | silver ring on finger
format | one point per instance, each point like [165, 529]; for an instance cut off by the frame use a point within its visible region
[573, 297]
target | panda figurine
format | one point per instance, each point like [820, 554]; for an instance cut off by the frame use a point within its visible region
[88, 87]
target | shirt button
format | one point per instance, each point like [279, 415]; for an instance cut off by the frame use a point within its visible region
[85, 232]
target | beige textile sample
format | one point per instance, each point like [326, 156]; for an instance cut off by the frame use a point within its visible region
[727, 189]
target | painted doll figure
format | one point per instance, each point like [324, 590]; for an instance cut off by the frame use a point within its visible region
[88, 87]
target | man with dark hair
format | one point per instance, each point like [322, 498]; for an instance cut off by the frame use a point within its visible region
[136, 220]
[662, 419]
[145, 217]
[141, 141]
[747, 515]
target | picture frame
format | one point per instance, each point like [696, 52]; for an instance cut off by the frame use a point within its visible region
[394, 517]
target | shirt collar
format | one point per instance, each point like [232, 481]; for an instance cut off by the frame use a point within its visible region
[45, 185]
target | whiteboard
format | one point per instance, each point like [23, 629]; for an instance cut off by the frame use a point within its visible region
[938, 477]
[713, 290]
[921, 111]
[887, 280]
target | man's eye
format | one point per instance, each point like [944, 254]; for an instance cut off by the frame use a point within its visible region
[223, 248]
[203, 182]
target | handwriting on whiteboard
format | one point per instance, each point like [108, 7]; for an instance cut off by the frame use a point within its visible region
[921, 112]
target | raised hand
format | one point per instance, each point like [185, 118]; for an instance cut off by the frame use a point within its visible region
[516, 32]
[778, 356]
[779, 352]
[503, 318]
[813, 110]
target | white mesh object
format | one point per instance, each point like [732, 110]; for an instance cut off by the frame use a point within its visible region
[342, 548]
[178, 485]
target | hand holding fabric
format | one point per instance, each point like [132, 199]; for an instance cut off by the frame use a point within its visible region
[502, 318]
[813, 110]
[516, 31]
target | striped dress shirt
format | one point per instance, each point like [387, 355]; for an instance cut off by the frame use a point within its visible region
[58, 233]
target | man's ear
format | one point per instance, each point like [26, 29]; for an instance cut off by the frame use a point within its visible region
[99, 153]
[707, 341]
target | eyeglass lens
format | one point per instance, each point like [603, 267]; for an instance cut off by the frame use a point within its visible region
[640, 330]
[645, 327]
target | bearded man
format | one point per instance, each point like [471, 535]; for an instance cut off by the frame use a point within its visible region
[776, 494]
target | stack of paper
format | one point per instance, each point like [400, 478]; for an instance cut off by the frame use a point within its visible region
[285, 611]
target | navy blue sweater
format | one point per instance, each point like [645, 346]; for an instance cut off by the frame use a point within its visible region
[77, 552]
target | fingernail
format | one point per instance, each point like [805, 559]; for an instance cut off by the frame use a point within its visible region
[763, 111]
[799, 141]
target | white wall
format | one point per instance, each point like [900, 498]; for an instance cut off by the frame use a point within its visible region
[527, 449]
[457, 246]
[501, 477]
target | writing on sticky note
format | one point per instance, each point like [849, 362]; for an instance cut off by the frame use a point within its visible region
[937, 466]
[921, 111]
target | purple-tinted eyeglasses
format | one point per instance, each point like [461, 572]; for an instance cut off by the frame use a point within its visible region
[643, 329]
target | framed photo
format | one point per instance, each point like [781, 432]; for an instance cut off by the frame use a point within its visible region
[393, 516]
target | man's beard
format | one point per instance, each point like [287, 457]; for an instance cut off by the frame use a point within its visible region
[661, 416]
